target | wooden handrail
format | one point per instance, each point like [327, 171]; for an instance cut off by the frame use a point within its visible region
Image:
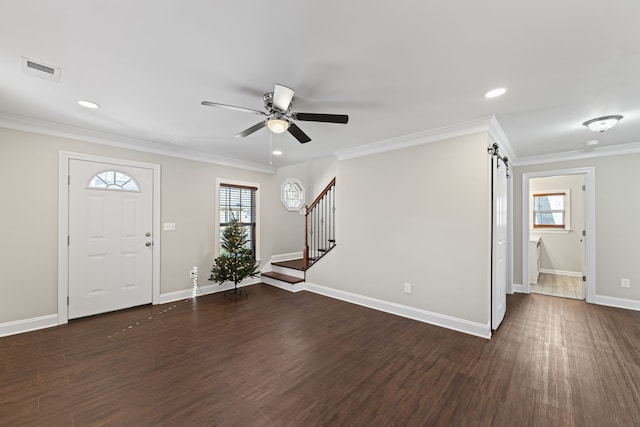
[324, 192]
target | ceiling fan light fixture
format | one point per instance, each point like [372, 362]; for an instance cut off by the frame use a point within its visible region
[277, 125]
[601, 124]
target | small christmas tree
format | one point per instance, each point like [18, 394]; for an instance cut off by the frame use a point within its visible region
[236, 262]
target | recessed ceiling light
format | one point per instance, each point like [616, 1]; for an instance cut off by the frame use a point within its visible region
[495, 92]
[277, 153]
[602, 124]
[88, 104]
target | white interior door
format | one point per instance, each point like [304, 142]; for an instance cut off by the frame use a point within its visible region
[110, 237]
[499, 249]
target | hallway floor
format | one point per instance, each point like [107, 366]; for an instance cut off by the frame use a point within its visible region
[558, 285]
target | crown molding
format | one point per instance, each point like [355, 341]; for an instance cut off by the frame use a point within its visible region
[488, 124]
[612, 150]
[85, 135]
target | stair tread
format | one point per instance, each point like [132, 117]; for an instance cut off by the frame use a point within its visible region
[282, 277]
[294, 264]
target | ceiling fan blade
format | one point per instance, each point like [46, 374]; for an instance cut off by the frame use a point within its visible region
[233, 107]
[282, 97]
[298, 134]
[327, 118]
[252, 129]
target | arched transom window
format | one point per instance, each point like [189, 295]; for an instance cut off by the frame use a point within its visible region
[113, 180]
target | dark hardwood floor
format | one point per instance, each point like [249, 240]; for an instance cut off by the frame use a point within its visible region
[279, 358]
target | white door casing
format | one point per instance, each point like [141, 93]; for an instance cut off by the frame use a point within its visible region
[499, 247]
[109, 242]
[583, 240]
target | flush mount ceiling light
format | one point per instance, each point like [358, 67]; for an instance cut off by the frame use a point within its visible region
[277, 153]
[88, 104]
[602, 124]
[277, 125]
[592, 143]
[495, 92]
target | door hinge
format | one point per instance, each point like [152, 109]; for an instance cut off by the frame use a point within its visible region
[584, 278]
[584, 232]
[68, 180]
[68, 240]
[67, 299]
[584, 188]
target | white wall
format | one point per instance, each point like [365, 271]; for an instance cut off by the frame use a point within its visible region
[561, 251]
[29, 206]
[617, 204]
[420, 215]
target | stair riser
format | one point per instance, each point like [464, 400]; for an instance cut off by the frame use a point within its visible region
[287, 271]
[283, 285]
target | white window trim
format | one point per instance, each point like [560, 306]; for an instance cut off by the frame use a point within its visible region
[567, 212]
[216, 225]
[302, 190]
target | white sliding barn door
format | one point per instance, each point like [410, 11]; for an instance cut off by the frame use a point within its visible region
[110, 237]
[499, 247]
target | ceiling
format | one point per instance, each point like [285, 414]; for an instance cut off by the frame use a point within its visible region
[397, 68]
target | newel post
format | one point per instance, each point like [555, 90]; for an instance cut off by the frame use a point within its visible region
[305, 250]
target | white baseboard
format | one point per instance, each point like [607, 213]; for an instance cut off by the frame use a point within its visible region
[518, 288]
[562, 272]
[460, 325]
[27, 325]
[209, 288]
[629, 304]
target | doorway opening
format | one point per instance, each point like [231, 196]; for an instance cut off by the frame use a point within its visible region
[558, 217]
[555, 236]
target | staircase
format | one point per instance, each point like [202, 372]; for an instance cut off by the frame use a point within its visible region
[319, 239]
[285, 274]
[320, 226]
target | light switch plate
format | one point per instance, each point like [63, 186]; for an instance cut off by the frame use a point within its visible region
[169, 226]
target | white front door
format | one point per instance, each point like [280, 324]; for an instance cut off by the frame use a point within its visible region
[499, 250]
[110, 237]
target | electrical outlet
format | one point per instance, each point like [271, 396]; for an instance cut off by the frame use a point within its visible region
[625, 283]
[407, 288]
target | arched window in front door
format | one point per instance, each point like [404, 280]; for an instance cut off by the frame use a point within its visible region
[113, 180]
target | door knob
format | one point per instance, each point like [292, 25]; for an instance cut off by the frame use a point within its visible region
[148, 244]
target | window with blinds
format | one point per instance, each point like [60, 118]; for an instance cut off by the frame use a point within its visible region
[238, 202]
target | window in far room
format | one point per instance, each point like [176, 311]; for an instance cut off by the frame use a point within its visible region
[551, 210]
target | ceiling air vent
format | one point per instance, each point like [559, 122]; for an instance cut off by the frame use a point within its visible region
[38, 69]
